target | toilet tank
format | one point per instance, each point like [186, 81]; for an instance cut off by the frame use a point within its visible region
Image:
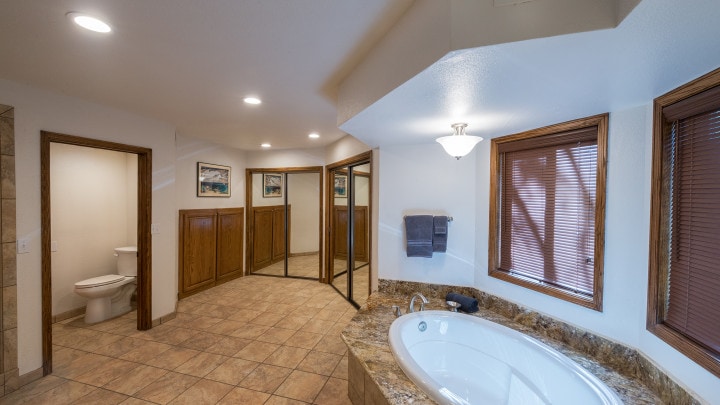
[126, 260]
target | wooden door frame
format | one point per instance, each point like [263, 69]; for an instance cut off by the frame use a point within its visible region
[363, 158]
[250, 219]
[144, 239]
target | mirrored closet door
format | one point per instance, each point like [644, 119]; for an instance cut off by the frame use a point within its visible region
[349, 200]
[284, 222]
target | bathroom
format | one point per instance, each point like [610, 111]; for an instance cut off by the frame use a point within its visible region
[93, 212]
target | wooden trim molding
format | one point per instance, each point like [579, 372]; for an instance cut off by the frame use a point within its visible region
[144, 239]
[658, 282]
[599, 121]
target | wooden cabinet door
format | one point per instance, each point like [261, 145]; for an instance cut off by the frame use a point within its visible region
[198, 229]
[278, 240]
[262, 237]
[230, 242]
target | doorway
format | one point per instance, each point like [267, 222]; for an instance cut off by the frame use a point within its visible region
[349, 197]
[144, 204]
[284, 222]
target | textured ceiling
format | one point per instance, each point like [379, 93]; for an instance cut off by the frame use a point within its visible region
[190, 63]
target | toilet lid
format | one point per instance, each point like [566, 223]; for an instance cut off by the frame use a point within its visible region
[98, 281]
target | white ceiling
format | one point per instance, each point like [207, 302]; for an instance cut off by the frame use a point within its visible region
[190, 62]
[512, 87]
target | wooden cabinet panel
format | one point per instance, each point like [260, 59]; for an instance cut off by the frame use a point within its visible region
[268, 229]
[210, 248]
[231, 223]
[340, 226]
[262, 238]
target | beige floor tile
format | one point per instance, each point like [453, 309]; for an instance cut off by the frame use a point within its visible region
[201, 341]
[33, 389]
[276, 335]
[120, 347]
[202, 364]
[317, 326]
[145, 352]
[341, 370]
[203, 322]
[245, 315]
[265, 378]
[332, 344]
[244, 396]
[302, 386]
[319, 363]
[268, 319]
[232, 371]
[278, 400]
[334, 393]
[65, 393]
[227, 327]
[203, 392]
[257, 351]
[101, 396]
[293, 322]
[329, 314]
[228, 346]
[81, 365]
[135, 380]
[136, 401]
[306, 340]
[287, 356]
[108, 372]
[166, 388]
[172, 358]
[250, 331]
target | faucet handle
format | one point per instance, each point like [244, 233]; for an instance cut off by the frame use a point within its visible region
[397, 311]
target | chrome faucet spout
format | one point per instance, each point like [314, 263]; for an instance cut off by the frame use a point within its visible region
[411, 307]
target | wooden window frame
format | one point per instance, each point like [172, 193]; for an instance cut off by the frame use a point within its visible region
[658, 283]
[601, 122]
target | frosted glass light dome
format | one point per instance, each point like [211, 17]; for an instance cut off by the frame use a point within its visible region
[458, 144]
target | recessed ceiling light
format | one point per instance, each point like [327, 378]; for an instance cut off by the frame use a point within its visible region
[314, 135]
[252, 100]
[89, 23]
[265, 145]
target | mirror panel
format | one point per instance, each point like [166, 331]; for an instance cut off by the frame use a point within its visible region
[361, 232]
[339, 244]
[304, 225]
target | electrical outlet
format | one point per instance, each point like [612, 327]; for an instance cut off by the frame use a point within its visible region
[154, 228]
[23, 246]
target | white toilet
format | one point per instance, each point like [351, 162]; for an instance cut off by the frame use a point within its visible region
[110, 295]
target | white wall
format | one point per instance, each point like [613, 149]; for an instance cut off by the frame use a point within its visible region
[189, 152]
[37, 110]
[92, 213]
[423, 179]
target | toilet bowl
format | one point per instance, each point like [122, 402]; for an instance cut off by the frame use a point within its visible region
[110, 295]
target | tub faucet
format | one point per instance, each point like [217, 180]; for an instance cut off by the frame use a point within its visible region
[424, 301]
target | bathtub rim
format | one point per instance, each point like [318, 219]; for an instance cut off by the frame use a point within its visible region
[431, 388]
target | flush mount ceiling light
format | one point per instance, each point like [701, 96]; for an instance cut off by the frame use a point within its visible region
[458, 144]
[265, 145]
[89, 23]
[252, 100]
[314, 135]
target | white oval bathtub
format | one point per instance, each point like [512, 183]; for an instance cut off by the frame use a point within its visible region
[462, 359]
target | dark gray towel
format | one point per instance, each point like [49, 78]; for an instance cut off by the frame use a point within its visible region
[419, 235]
[440, 228]
[467, 304]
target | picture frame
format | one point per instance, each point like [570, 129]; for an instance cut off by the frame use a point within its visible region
[272, 185]
[340, 186]
[213, 180]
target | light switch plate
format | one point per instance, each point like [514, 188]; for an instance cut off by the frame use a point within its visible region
[154, 228]
[23, 245]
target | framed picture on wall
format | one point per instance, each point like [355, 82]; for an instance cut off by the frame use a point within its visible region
[213, 180]
[340, 186]
[272, 185]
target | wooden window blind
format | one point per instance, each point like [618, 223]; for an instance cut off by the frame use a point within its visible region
[684, 262]
[692, 147]
[547, 214]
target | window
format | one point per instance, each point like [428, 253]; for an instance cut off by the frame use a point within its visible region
[547, 209]
[684, 282]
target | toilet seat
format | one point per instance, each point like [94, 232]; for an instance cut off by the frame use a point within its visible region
[100, 281]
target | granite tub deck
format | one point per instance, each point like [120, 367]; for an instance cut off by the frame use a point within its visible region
[375, 378]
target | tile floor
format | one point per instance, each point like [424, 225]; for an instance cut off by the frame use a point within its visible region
[254, 340]
[298, 266]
